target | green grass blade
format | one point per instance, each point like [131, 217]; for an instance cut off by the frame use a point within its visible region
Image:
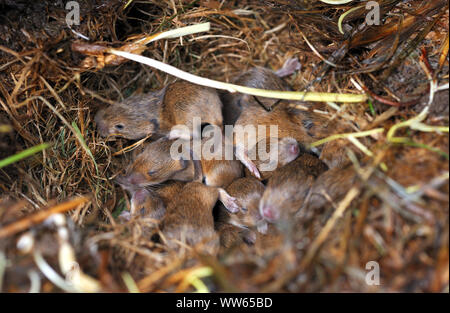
[23, 154]
[83, 143]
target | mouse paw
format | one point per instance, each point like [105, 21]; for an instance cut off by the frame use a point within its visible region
[289, 67]
[262, 226]
[249, 237]
[228, 201]
[243, 157]
[253, 169]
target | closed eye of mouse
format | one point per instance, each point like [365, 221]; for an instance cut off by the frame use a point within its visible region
[155, 165]
[151, 172]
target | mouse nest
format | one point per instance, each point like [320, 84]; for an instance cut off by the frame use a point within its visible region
[398, 216]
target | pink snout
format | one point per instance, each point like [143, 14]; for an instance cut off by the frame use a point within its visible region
[294, 149]
[102, 130]
[132, 181]
[269, 213]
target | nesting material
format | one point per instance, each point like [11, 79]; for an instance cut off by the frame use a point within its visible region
[379, 191]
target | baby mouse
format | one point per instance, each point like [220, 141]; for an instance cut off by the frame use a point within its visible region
[133, 118]
[305, 127]
[157, 112]
[331, 185]
[184, 101]
[156, 199]
[248, 192]
[151, 203]
[288, 187]
[156, 165]
[261, 78]
[143, 202]
[190, 218]
[229, 236]
[147, 204]
[276, 151]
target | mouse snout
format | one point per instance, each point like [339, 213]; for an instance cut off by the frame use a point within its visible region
[137, 179]
[131, 181]
[123, 181]
[269, 213]
[290, 147]
[294, 149]
[102, 129]
[101, 125]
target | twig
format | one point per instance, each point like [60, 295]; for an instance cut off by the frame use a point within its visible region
[38, 217]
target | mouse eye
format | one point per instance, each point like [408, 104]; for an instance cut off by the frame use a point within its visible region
[151, 173]
[119, 126]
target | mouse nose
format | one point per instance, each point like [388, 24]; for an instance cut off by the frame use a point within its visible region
[102, 129]
[268, 213]
[294, 149]
[136, 179]
[101, 126]
[122, 181]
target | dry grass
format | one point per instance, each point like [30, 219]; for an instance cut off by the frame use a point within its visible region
[398, 217]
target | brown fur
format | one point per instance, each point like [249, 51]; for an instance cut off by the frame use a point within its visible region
[237, 228]
[288, 187]
[306, 127]
[155, 165]
[183, 101]
[229, 235]
[190, 217]
[148, 204]
[288, 150]
[257, 77]
[157, 112]
[221, 173]
[137, 116]
[248, 192]
[169, 191]
[335, 182]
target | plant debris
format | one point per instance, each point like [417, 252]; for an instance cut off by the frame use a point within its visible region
[397, 215]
